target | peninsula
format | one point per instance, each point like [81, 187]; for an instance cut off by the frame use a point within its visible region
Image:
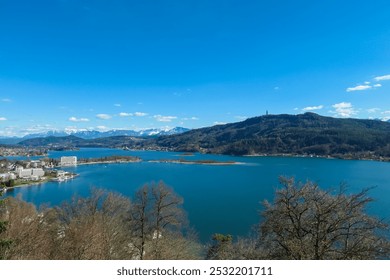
[204, 162]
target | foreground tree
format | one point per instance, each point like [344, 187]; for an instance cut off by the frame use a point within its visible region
[221, 248]
[305, 222]
[168, 215]
[140, 220]
[4, 243]
[95, 227]
[225, 247]
[29, 231]
[158, 225]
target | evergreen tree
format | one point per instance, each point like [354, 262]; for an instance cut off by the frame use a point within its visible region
[222, 248]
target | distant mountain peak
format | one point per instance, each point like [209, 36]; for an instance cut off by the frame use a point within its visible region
[93, 134]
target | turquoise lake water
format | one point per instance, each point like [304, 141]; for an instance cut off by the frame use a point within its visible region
[218, 199]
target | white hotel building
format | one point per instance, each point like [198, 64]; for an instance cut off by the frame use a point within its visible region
[68, 161]
[30, 173]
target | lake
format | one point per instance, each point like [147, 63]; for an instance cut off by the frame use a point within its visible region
[218, 199]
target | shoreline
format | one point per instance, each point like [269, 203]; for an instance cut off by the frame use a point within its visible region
[195, 162]
[189, 154]
[318, 156]
[28, 185]
[105, 162]
[41, 182]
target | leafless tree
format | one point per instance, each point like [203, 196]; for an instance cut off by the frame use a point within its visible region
[103, 225]
[167, 214]
[305, 222]
[140, 219]
[95, 227]
[4, 243]
[28, 231]
[158, 219]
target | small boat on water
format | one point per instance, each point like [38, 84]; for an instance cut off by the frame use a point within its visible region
[62, 178]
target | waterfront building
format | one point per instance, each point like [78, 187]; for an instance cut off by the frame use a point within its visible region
[38, 172]
[68, 161]
[61, 173]
[30, 173]
[24, 173]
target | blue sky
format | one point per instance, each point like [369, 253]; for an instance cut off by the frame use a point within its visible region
[90, 64]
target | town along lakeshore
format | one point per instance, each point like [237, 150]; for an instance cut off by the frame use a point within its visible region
[18, 173]
[217, 198]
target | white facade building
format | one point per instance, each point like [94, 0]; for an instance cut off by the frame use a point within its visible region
[30, 173]
[24, 173]
[68, 161]
[38, 172]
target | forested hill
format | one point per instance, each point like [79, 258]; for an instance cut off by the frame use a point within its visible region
[307, 133]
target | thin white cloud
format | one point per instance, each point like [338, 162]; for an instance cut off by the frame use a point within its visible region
[123, 114]
[6, 100]
[382, 78]
[103, 116]
[358, 88]
[386, 112]
[367, 84]
[373, 110]
[161, 118]
[219, 123]
[140, 114]
[344, 110]
[74, 119]
[10, 131]
[73, 129]
[313, 108]
[190, 119]
[136, 114]
[101, 128]
[3, 119]
[117, 105]
[37, 129]
[385, 119]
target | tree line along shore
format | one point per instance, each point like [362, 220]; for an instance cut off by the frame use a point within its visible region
[13, 172]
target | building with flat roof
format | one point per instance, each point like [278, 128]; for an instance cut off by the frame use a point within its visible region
[29, 173]
[38, 172]
[68, 161]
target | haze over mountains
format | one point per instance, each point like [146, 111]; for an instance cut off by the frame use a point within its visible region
[304, 134]
[93, 134]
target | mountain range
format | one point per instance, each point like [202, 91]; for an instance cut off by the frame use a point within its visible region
[303, 134]
[94, 134]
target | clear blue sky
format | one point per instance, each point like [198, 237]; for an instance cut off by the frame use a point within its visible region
[76, 64]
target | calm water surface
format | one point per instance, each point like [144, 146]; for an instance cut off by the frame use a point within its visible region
[223, 199]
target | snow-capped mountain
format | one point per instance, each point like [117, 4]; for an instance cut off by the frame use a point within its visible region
[55, 133]
[93, 134]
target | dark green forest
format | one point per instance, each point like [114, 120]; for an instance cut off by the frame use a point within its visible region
[302, 222]
[304, 134]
